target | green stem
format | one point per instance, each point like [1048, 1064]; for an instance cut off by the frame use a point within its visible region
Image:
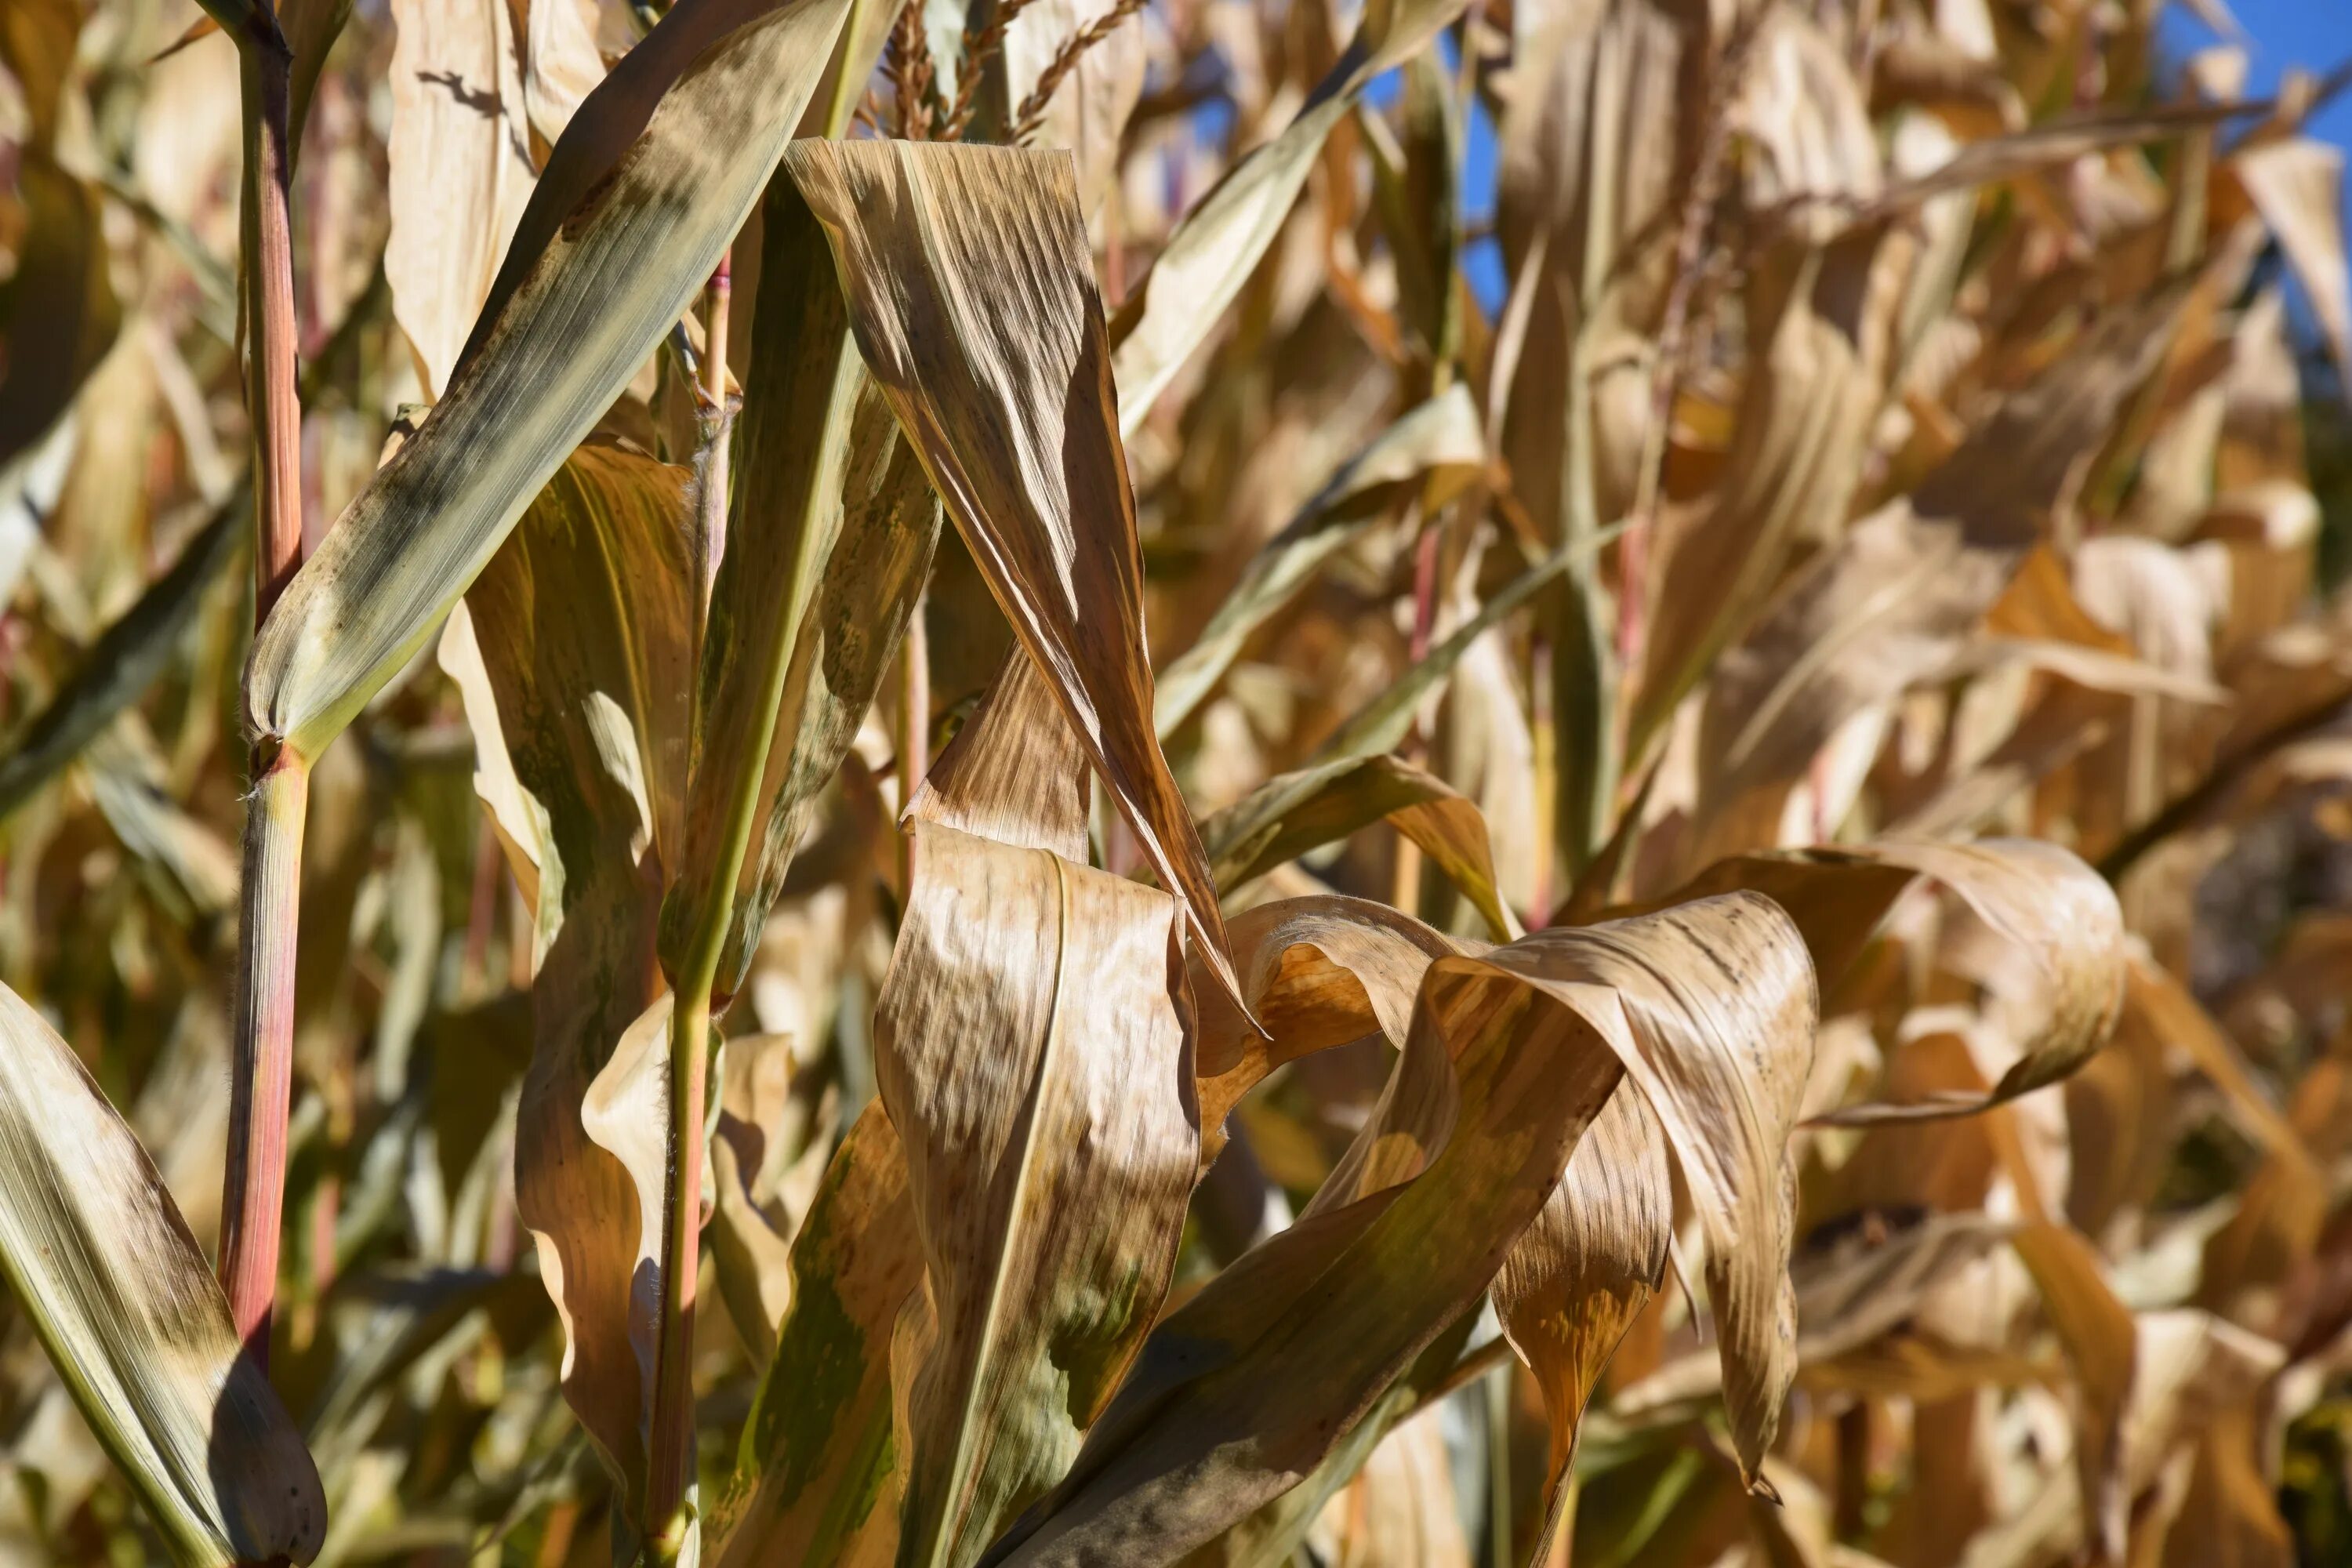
[670, 1463]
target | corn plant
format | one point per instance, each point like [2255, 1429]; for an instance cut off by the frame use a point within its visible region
[1076, 781]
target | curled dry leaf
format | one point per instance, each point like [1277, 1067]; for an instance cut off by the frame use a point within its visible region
[122, 1298]
[1294, 813]
[569, 651]
[1509, 1057]
[1584, 1270]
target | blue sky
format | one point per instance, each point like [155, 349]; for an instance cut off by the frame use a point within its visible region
[2314, 34]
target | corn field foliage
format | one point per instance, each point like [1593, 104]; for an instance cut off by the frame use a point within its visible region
[1171, 781]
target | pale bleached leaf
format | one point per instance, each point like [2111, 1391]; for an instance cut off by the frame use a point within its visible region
[120, 1297]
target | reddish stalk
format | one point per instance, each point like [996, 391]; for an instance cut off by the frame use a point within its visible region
[254, 1185]
[253, 1179]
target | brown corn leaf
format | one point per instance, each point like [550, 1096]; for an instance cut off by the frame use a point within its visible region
[1219, 242]
[1004, 390]
[1819, 318]
[582, 624]
[2064, 918]
[1244, 1390]
[460, 169]
[2098, 1333]
[1294, 813]
[1896, 598]
[1034, 1045]
[814, 1480]
[1437, 448]
[602, 264]
[1585, 1270]
[1087, 113]
[122, 1300]
[1316, 972]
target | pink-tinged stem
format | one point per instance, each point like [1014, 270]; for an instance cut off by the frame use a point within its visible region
[261, 1084]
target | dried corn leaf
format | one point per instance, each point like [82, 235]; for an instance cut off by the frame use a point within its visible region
[2050, 906]
[1244, 1390]
[813, 1479]
[122, 1298]
[1435, 449]
[1033, 1047]
[582, 624]
[828, 546]
[971, 289]
[1894, 601]
[459, 153]
[602, 264]
[1316, 972]
[58, 308]
[1221, 241]
[1294, 813]
[1585, 1270]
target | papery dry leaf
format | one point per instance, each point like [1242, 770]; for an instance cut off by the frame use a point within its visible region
[120, 1297]
[1893, 601]
[1004, 393]
[2298, 185]
[1294, 813]
[2101, 1345]
[1316, 972]
[1215, 1421]
[1584, 1270]
[1212, 252]
[2045, 903]
[1034, 1045]
[1437, 446]
[581, 623]
[461, 169]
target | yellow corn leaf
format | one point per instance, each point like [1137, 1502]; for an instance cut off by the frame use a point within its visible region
[971, 289]
[120, 1295]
